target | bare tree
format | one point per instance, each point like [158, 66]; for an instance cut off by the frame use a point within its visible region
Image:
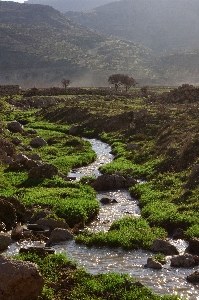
[65, 82]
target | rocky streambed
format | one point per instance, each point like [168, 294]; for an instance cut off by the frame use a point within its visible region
[164, 280]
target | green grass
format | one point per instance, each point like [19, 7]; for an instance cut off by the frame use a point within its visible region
[128, 233]
[64, 280]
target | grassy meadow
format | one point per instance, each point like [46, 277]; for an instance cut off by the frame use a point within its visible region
[155, 141]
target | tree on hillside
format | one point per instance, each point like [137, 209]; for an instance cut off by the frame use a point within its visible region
[65, 82]
[128, 81]
[116, 80]
[121, 79]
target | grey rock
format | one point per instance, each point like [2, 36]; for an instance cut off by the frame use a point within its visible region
[20, 280]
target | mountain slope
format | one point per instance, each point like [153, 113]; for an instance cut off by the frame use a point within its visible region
[39, 43]
[160, 25]
[71, 5]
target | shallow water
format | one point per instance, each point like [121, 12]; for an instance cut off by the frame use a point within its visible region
[102, 260]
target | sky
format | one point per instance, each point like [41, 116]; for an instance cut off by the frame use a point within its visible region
[20, 1]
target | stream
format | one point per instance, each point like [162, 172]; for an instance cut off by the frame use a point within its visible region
[102, 260]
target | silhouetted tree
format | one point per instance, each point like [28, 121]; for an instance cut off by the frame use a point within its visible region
[121, 79]
[116, 80]
[128, 81]
[65, 82]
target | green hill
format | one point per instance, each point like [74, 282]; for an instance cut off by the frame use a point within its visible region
[161, 25]
[39, 44]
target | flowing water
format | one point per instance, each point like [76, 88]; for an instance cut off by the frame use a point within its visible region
[101, 260]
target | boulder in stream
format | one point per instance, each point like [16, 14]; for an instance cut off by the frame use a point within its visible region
[153, 264]
[183, 261]
[112, 182]
[164, 247]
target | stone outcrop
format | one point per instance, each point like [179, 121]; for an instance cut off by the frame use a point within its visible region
[193, 247]
[164, 247]
[11, 211]
[15, 126]
[43, 171]
[38, 142]
[59, 235]
[20, 280]
[52, 223]
[5, 241]
[183, 261]
[153, 264]
[7, 148]
[109, 182]
[193, 278]
[106, 200]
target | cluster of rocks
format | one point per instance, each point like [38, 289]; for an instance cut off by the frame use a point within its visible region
[35, 102]
[189, 259]
[13, 272]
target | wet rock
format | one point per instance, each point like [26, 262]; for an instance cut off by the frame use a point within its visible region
[17, 232]
[20, 280]
[108, 201]
[58, 235]
[15, 126]
[38, 142]
[183, 261]
[193, 247]
[43, 171]
[40, 251]
[153, 264]
[5, 241]
[110, 182]
[39, 229]
[162, 246]
[194, 277]
[52, 223]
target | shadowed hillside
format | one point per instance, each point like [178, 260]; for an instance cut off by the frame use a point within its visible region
[71, 5]
[39, 43]
[160, 25]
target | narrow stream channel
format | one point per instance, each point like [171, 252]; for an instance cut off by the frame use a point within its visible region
[102, 260]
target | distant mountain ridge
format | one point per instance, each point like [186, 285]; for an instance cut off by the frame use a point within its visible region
[71, 5]
[40, 46]
[161, 25]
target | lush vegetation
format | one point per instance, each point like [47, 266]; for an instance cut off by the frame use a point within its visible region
[128, 233]
[153, 141]
[63, 280]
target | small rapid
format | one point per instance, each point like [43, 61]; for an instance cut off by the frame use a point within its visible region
[96, 260]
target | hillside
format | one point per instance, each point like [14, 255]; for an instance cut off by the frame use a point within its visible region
[39, 43]
[156, 24]
[71, 5]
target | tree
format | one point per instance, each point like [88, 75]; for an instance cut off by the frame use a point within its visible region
[116, 80]
[121, 79]
[65, 82]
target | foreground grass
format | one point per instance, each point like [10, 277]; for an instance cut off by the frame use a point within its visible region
[64, 280]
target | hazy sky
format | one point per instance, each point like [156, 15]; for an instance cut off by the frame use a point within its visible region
[20, 1]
